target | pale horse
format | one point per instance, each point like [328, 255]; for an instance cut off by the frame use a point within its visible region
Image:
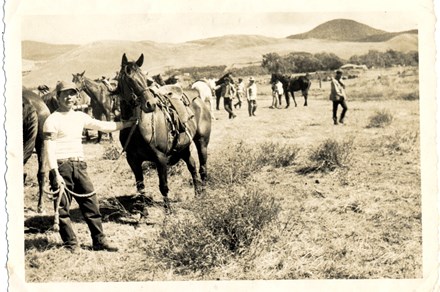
[206, 87]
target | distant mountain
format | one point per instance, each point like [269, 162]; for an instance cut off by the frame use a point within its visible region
[237, 41]
[38, 51]
[347, 30]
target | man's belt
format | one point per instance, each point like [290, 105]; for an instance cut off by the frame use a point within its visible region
[70, 159]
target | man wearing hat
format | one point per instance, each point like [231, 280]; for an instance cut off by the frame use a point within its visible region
[65, 157]
[251, 95]
[228, 93]
[338, 97]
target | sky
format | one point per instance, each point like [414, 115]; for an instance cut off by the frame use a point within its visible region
[178, 24]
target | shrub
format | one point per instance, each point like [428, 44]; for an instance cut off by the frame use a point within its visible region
[277, 154]
[235, 164]
[215, 230]
[332, 154]
[188, 245]
[238, 219]
[239, 161]
[380, 119]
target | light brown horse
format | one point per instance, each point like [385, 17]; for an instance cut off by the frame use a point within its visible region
[153, 140]
[102, 100]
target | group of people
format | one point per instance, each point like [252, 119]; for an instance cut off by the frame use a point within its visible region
[230, 92]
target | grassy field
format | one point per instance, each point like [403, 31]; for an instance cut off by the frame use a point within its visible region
[290, 196]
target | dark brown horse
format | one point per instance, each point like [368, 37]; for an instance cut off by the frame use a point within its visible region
[102, 100]
[153, 139]
[290, 85]
[35, 113]
[218, 90]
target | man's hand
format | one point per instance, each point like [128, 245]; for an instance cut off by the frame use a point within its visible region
[130, 122]
[58, 180]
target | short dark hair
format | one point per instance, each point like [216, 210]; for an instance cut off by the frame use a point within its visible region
[339, 72]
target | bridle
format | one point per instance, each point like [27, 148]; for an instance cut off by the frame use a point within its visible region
[136, 99]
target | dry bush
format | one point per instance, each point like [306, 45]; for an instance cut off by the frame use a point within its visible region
[237, 162]
[380, 119]
[277, 154]
[189, 246]
[332, 154]
[218, 228]
[234, 164]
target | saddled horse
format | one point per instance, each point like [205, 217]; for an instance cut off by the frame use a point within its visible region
[152, 139]
[35, 113]
[290, 85]
[218, 89]
[102, 100]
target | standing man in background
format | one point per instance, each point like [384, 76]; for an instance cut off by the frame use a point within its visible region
[240, 92]
[251, 95]
[228, 93]
[338, 97]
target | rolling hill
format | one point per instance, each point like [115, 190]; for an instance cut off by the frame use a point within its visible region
[103, 57]
[348, 30]
[37, 51]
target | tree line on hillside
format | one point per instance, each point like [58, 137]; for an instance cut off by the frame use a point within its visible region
[298, 62]
[301, 62]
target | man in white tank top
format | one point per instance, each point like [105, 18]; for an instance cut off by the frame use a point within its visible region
[64, 153]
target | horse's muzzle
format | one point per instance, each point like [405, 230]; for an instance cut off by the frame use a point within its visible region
[148, 107]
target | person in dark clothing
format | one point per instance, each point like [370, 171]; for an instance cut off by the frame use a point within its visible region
[228, 93]
[338, 97]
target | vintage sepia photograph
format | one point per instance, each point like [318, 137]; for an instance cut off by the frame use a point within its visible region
[221, 145]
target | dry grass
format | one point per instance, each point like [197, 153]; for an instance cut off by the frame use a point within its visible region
[357, 222]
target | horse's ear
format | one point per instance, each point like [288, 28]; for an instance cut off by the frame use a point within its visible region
[140, 61]
[82, 74]
[124, 59]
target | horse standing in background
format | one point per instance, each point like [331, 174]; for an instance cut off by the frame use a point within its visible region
[153, 139]
[218, 89]
[43, 89]
[161, 82]
[290, 85]
[205, 91]
[34, 114]
[102, 100]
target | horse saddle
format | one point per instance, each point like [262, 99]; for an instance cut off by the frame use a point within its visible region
[180, 110]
